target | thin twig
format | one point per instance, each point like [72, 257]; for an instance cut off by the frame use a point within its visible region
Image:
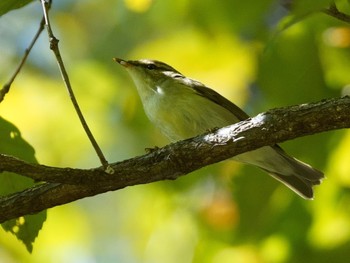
[334, 12]
[54, 47]
[6, 88]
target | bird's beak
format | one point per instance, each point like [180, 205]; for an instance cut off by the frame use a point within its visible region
[122, 62]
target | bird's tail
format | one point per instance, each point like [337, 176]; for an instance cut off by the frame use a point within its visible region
[298, 176]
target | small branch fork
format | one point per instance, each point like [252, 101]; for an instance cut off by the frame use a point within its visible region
[45, 22]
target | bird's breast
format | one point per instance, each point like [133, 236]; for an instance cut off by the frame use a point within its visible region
[186, 116]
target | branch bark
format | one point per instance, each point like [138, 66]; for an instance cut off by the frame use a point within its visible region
[64, 185]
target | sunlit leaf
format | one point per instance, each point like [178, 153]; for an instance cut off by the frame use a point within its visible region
[25, 228]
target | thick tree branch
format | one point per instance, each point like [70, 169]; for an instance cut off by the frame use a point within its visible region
[65, 185]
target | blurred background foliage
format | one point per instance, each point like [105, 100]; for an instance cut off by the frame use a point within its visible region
[250, 52]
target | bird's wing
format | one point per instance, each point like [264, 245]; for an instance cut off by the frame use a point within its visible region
[220, 100]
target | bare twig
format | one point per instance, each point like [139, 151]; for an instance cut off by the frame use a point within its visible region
[54, 47]
[334, 12]
[168, 163]
[6, 88]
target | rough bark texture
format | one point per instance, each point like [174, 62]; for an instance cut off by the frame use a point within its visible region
[64, 185]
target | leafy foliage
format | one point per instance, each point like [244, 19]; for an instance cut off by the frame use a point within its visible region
[225, 213]
[25, 228]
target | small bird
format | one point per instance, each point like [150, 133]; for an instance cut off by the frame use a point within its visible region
[183, 108]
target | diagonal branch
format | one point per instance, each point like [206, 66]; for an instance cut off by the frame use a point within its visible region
[6, 88]
[54, 47]
[333, 11]
[66, 184]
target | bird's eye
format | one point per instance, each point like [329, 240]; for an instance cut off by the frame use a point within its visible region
[151, 66]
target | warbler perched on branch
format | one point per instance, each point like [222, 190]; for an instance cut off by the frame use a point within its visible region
[182, 108]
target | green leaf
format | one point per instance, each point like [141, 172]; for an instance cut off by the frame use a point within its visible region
[8, 5]
[25, 228]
